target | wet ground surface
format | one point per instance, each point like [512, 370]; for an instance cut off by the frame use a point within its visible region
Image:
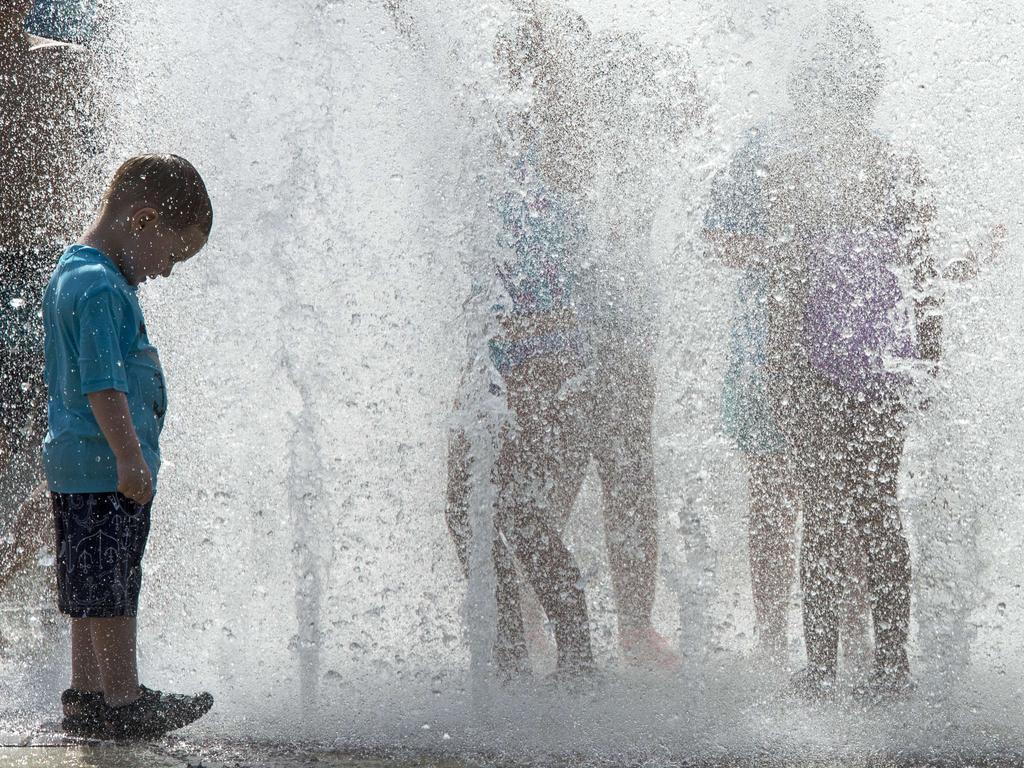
[54, 753]
[64, 755]
[76, 756]
[43, 751]
[42, 745]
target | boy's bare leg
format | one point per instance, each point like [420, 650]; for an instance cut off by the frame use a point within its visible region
[113, 642]
[85, 671]
[772, 533]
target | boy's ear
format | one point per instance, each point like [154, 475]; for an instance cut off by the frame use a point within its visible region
[143, 218]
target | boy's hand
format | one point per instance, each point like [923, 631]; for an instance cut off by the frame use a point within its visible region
[134, 479]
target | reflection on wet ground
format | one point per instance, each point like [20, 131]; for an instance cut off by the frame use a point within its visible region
[100, 756]
[239, 755]
[42, 752]
[41, 745]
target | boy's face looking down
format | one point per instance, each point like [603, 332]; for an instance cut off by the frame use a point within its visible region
[156, 214]
[154, 247]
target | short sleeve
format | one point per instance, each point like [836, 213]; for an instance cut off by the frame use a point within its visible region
[736, 203]
[100, 362]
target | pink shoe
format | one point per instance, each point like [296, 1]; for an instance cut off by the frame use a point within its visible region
[647, 649]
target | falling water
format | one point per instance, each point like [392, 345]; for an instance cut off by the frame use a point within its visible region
[299, 565]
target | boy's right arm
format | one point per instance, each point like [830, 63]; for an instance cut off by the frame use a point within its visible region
[134, 480]
[100, 313]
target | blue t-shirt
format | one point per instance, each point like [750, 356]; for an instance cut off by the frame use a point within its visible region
[96, 340]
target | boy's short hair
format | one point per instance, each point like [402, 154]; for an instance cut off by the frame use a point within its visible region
[168, 183]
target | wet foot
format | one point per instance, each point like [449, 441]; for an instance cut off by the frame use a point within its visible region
[884, 687]
[154, 714]
[84, 713]
[813, 688]
[579, 679]
[646, 649]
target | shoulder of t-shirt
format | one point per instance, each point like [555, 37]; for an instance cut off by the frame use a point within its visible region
[91, 280]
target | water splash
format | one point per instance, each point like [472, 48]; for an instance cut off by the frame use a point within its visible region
[314, 351]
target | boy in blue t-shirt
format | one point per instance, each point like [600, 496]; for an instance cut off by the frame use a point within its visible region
[102, 451]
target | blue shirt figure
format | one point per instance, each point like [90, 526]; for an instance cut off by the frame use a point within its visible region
[96, 340]
[738, 207]
[541, 234]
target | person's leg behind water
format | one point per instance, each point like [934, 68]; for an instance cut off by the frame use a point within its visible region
[544, 453]
[28, 537]
[881, 431]
[559, 500]
[774, 508]
[510, 652]
[622, 444]
[825, 477]
[855, 639]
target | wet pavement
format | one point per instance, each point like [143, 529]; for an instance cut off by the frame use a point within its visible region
[78, 756]
[56, 753]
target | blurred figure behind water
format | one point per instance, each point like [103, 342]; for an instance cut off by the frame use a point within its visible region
[644, 101]
[839, 316]
[602, 114]
[44, 127]
[538, 350]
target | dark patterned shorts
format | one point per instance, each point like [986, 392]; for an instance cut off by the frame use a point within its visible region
[100, 541]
